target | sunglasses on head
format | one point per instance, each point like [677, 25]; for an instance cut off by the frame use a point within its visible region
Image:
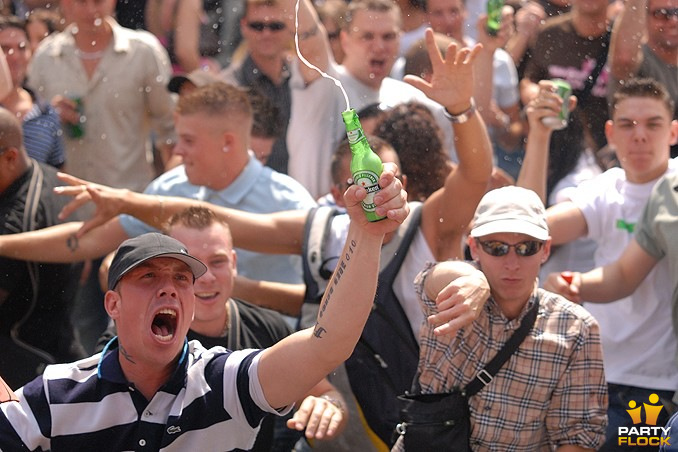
[664, 13]
[261, 26]
[498, 249]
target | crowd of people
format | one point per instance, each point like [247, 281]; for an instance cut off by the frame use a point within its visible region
[185, 263]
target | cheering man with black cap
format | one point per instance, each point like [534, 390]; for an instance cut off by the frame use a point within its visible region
[150, 389]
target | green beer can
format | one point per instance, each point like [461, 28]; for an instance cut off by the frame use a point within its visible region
[559, 122]
[366, 166]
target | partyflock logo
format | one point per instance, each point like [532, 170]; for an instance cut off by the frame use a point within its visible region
[648, 435]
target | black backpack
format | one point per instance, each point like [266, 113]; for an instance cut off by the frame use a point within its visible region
[385, 359]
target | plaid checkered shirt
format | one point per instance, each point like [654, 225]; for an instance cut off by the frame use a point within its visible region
[552, 390]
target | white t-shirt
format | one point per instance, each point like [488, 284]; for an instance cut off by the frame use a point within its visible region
[577, 255]
[636, 332]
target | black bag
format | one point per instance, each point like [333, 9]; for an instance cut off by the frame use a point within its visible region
[442, 421]
[435, 422]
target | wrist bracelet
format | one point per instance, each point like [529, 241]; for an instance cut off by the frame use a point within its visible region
[462, 117]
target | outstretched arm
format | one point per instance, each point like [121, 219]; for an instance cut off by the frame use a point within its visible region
[452, 86]
[528, 20]
[534, 170]
[345, 306]
[275, 233]
[187, 34]
[627, 37]
[616, 280]
[61, 244]
[483, 85]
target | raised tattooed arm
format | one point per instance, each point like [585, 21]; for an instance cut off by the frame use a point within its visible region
[345, 306]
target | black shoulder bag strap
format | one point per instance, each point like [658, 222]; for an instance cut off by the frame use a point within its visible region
[485, 376]
[30, 224]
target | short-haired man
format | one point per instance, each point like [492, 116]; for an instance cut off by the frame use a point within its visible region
[213, 125]
[635, 331]
[152, 389]
[36, 298]
[268, 64]
[551, 393]
[223, 320]
[654, 240]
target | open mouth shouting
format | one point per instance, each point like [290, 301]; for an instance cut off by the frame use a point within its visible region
[377, 66]
[164, 324]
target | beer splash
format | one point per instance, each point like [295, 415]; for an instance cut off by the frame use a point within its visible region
[308, 63]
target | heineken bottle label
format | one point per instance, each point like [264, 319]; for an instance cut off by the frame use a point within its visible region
[370, 182]
[355, 136]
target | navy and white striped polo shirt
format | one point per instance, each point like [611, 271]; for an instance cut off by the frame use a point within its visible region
[212, 402]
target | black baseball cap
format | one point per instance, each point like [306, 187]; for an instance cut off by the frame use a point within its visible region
[138, 250]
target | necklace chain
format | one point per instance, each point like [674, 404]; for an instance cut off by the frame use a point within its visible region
[89, 55]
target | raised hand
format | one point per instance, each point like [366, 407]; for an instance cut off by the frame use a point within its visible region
[108, 200]
[547, 103]
[451, 83]
[566, 284]
[391, 201]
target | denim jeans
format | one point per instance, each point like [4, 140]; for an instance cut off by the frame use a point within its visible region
[620, 396]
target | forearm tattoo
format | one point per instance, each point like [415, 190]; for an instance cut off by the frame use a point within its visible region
[72, 242]
[318, 330]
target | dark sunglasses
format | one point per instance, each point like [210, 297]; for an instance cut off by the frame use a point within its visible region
[261, 26]
[664, 13]
[498, 249]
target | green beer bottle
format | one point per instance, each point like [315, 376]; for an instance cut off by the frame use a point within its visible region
[77, 130]
[494, 16]
[366, 166]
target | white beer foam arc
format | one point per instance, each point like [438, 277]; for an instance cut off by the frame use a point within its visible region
[308, 63]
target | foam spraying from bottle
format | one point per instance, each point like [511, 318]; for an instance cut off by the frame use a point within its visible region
[308, 63]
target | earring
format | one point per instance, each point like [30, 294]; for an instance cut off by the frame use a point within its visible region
[226, 149]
